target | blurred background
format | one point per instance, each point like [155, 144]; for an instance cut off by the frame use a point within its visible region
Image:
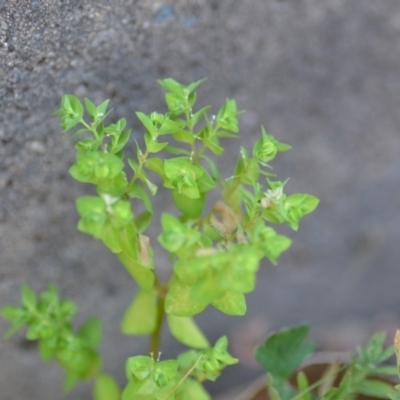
[321, 75]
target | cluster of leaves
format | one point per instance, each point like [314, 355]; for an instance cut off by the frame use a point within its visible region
[283, 352]
[176, 379]
[215, 254]
[48, 321]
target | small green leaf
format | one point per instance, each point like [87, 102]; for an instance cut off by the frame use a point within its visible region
[143, 276]
[199, 114]
[138, 192]
[227, 116]
[192, 389]
[155, 165]
[91, 108]
[172, 86]
[193, 86]
[184, 136]
[106, 388]
[121, 142]
[232, 303]
[152, 145]
[179, 303]
[147, 122]
[143, 221]
[46, 352]
[375, 388]
[102, 110]
[28, 297]
[151, 186]
[191, 208]
[284, 351]
[10, 312]
[140, 317]
[90, 332]
[169, 126]
[133, 164]
[304, 387]
[187, 332]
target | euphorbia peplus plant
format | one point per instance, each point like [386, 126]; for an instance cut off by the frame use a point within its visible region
[214, 254]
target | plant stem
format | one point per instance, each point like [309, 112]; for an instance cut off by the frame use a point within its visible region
[156, 335]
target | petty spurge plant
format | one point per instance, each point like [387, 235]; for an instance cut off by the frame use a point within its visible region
[215, 249]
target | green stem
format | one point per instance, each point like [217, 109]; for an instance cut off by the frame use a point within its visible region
[156, 335]
[90, 128]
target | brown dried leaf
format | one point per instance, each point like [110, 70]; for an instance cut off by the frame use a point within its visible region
[144, 248]
[230, 219]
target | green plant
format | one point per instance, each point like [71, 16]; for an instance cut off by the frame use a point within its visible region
[284, 351]
[215, 254]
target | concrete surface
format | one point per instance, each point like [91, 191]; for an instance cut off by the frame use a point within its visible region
[322, 75]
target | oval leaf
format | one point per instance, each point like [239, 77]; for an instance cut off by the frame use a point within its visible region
[187, 332]
[106, 388]
[141, 316]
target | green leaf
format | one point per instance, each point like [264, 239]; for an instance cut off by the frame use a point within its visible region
[133, 164]
[232, 303]
[186, 331]
[213, 146]
[205, 183]
[71, 379]
[106, 388]
[177, 150]
[155, 165]
[121, 142]
[169, 126]
[152, 145]
[176, 103]
[128, 241]
[191, 208]
[303, 385]
[184, 136]
[191, 389]
[151, 186]
[193, 86]
[199, 114]
[90, 332]
[46, 352]
[375, 388]
[90, 205]
[172, 86]
[102, 108]
[298, 205]
[95, 166]
[91, 108]
[10, 312]
[140, 317]
[115, 187]
[227, 116]
[173, 236]
[207, 289]
[284, 351]
[140, 366]
[143, 276]
[138, 192]
[28, 297]
[143, 221]
[213, 168]
[147, 122]
[75, 104]
[179, 303]
[86, 145]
